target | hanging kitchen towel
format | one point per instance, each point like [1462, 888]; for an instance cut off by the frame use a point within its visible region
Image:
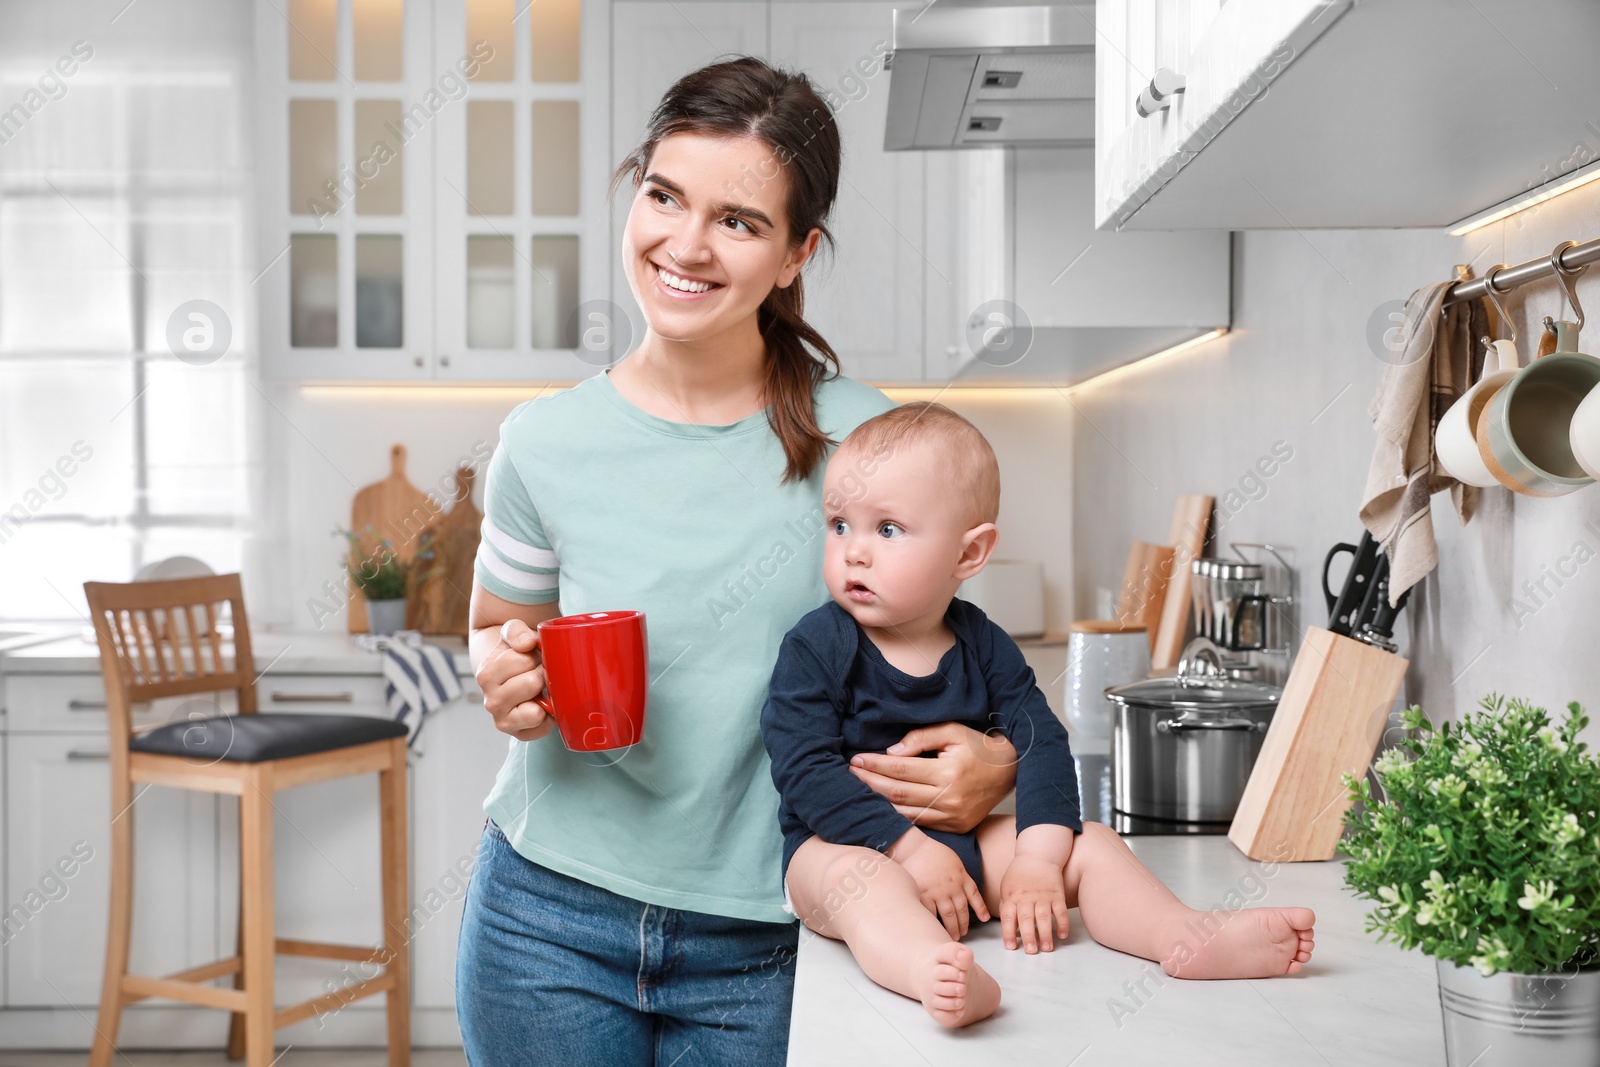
[420, 676]
[1415, 392]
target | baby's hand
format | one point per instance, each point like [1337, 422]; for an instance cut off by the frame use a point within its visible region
[943, 884]
[1032, 891]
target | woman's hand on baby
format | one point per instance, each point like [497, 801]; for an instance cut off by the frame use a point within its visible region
[971, 773]
[1032, 892]
[943, 884]
[510, 677]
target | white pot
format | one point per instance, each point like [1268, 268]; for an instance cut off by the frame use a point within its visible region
[1101, 655]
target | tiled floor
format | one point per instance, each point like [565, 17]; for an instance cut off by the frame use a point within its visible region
[293, 1057]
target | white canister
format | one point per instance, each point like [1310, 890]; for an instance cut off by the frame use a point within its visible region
[1101, 654]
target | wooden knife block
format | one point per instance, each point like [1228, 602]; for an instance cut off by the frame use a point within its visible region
[1334, 708]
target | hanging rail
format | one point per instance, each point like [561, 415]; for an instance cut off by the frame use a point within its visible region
[1573, 257]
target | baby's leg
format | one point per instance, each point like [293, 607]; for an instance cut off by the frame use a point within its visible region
[870, 902]
[1125, 907]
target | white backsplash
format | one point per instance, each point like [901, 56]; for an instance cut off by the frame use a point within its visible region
[1297, 373]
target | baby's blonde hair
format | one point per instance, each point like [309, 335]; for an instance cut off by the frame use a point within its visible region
[975, 473]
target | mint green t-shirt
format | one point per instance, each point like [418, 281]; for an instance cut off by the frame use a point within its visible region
[595, 502]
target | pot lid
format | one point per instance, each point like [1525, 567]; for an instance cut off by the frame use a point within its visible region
[1209, 694]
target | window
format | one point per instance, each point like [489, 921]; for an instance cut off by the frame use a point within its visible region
[126, 316]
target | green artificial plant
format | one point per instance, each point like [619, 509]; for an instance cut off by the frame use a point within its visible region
[1483, 847]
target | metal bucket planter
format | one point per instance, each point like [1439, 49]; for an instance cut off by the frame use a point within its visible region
[1520, 1020]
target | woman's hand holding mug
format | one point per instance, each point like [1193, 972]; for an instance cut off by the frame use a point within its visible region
[511, 676]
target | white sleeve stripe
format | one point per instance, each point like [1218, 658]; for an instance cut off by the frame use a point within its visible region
[516, 551]
[510, 575]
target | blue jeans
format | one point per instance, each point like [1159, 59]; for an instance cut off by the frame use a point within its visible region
[553, 970]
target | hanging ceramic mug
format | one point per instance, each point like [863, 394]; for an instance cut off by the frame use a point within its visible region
[1525, 432]
[1456, 442]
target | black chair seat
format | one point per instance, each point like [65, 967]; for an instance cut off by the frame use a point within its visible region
[263, 736]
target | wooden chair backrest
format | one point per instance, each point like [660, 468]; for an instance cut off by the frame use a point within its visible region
[159, 639]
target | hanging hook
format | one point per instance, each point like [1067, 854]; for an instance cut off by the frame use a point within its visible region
[1568, 277]
[1489, 291]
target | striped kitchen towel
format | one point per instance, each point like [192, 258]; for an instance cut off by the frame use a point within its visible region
[421, 677]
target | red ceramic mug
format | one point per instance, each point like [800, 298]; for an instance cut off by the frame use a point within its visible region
[596, 669]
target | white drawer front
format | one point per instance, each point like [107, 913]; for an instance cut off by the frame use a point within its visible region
[324, 694]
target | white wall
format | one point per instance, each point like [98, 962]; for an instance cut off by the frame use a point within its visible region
[1298, 368]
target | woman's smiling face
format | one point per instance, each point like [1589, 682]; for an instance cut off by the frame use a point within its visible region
[711, 214]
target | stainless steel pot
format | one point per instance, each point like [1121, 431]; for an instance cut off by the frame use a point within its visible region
[1182, 748]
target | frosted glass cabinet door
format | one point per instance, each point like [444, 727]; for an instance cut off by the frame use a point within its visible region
[520, 224]
[345, 144]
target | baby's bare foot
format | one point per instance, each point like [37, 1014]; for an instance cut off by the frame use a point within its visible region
[1249, 943]
[955, 990]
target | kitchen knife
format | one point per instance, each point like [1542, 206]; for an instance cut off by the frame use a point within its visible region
[1375, 623]
[1344, 608]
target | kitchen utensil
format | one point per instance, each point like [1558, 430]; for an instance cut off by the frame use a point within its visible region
[1333, 711]
[1191, 519]
[443, 591]
[1456, 440]
[1233, 610]
[1182, 748]
[596, 678]
[392, 509]
[1101, 654]
[1144, 586]
[1525, 431]
[1375, 620]
[1344, 607]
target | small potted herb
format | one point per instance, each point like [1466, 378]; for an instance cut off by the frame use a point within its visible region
[384, 579]
[1483, 850]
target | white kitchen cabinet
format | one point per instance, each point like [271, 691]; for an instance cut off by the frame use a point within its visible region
[1315, 114]
[462, 754]
[521, 229]
[1227, 53]
[1069, 274]
[428, 204]
[344, 154]
[867, 297]
[58, 820]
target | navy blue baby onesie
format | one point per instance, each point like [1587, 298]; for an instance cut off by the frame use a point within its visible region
[833, 695]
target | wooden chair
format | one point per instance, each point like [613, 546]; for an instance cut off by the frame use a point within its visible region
[159, 639]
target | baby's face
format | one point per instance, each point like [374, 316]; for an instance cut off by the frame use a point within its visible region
[895, 533]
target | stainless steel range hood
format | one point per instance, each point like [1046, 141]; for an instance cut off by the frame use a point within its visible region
[978, 77]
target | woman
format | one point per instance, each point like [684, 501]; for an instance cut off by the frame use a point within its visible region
[626, 907]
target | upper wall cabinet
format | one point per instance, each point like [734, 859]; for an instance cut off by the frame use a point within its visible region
[1328, 113]
[429, 184]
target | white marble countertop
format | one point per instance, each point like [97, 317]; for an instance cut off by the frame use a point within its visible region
[280, 652]
[1356, 1002]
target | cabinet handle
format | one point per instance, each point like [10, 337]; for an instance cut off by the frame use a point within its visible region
[1157, 96]
[312, 698]
[444, 361]
[76, 704]
[75, 756]
[416, 361]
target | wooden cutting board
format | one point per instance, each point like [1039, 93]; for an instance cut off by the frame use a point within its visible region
[1144, 586]
[394, 509]
[1191, 520]
[443, 593]
[1329, 720]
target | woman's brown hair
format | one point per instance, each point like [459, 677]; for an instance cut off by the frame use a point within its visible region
[747, 98]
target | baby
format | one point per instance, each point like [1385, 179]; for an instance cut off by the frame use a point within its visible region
[911, 498]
